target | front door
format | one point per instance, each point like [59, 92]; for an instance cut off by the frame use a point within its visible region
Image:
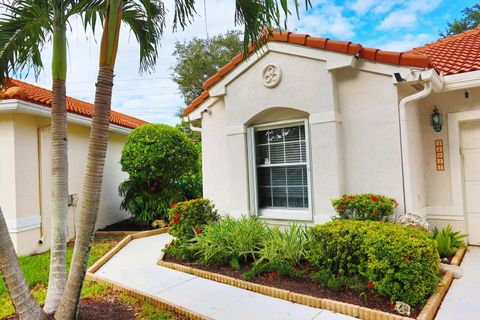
[470, 143]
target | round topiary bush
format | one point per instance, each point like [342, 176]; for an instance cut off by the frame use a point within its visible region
[398, 262]
[156, 157]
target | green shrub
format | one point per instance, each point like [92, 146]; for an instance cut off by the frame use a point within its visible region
[156, 157]
[448, 241]
[188, 218]
[400, 263]
[364, 207]
[283, 246]
[229, 241]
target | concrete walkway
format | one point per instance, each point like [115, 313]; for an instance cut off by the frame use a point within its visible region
[462, 300]
[135, 267]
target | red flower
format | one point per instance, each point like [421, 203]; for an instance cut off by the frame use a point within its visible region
[344, 199]
[341, 208]
[198, 231]
[167, 245]
[175, 222]
[370, 285]
[173, 204]
[351, 197]
[374, 199]
[177, 216]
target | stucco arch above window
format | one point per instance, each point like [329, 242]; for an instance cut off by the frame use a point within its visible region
[276, 114]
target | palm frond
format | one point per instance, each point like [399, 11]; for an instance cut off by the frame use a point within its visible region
[260, 17]
[24, 30]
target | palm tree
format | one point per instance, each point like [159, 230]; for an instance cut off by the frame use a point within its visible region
[255, 15]
[25, 28]
[26, 306]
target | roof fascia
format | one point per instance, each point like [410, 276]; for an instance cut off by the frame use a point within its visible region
[464, 80]
[203, 107]
[39, 110]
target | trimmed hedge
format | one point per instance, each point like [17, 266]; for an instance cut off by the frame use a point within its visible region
[401, 263]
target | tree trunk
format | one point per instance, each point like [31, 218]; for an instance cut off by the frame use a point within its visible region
[97, 150]
[59, 198]
[25, 305]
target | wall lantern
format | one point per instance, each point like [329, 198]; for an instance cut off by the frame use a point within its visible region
[437, 120]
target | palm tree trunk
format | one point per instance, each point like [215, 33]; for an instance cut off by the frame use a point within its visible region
[97, 151]
[59, 166]
[59, 198]
[25, 305]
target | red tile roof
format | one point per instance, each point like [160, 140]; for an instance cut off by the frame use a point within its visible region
[38, 95]
[398, 58]
[455, 54]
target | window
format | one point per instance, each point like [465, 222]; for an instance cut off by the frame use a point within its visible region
[281, 167]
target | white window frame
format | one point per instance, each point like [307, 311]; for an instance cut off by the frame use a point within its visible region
[301, 214]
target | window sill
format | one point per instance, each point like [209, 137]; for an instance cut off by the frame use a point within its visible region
[286, 214]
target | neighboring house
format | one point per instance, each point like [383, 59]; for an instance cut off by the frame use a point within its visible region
[308, 119]
[25, 164]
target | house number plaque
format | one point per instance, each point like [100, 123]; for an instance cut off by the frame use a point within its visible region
[439, 155]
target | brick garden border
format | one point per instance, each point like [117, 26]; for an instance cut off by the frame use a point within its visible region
[428, 312]
[160, 303]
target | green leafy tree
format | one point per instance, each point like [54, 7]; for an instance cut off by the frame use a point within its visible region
[470, 20]
[156, 157]
[199, 59]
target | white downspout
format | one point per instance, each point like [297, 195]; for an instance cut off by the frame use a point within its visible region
[404, 145]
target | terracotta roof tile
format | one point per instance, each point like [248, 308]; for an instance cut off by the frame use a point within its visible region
[456, 54]
[38, 95]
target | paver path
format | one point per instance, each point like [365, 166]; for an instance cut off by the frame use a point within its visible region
[462, 300]
[135, 267]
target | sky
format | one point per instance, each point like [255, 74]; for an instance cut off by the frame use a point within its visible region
[395, 25]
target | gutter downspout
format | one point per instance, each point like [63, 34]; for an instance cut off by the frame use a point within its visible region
[404, 146]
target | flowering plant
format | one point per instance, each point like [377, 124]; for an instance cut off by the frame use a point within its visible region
[187, 219]
[364, 206]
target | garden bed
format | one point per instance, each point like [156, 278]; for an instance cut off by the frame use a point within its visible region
[306, 291]
[299, 289]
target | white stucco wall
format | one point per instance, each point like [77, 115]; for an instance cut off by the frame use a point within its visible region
[371, 141]
[7, 166]
[341, 106]
[26, 163]
[440, 209]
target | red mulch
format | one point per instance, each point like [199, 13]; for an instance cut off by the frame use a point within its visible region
[303, 285]
[128, 225]
[106, 308]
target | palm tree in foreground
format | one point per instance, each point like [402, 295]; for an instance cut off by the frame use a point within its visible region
[26, 26]
[255, 15]
[146, 20]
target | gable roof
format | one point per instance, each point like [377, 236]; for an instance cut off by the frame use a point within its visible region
[455, 54]
[398, 58]
[31, 93]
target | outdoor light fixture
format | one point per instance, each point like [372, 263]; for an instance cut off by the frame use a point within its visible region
[398, 77]
[436, 120]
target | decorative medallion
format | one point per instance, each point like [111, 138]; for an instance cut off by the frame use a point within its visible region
[271, 75]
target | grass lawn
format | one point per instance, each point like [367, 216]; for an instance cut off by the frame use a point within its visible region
[36, 268]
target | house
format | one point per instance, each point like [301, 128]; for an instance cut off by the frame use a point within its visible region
[25, 170]
[308, 119]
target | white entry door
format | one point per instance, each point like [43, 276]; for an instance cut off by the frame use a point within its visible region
[471, 168]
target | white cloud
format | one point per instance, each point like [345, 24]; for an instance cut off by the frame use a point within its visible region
[407, 42]
[398, 19]
[327, 19]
